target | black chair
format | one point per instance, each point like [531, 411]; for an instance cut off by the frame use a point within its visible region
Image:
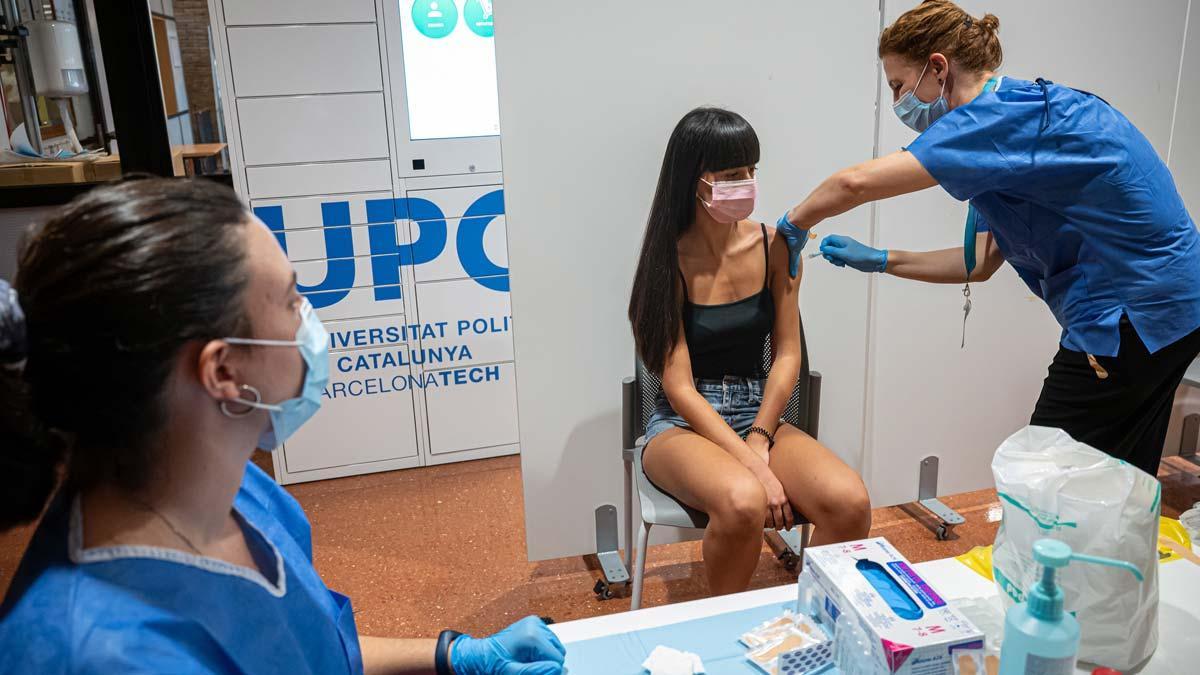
[639, 395]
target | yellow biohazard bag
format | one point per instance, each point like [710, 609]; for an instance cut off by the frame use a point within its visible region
[1173, 544]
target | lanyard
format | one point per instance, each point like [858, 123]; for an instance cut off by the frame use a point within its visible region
[969, 244]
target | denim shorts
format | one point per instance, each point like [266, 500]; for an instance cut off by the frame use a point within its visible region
[736, 400]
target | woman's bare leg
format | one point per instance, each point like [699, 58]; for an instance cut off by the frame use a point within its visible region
[821, 486]
[700, 474]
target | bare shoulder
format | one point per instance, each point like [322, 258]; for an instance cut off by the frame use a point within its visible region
[777, 249]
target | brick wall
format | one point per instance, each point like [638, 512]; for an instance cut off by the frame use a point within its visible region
[191, 21]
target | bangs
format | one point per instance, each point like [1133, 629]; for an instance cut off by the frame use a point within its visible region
[731, 143]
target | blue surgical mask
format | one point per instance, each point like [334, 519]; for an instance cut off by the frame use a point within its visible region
[288, 416]
[917, 114]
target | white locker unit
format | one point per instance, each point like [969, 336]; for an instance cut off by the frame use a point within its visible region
[407, 266]
[366, 422]
[465, 291]
[308, 70]
[292, 180]
[259, 12]
[317, 128]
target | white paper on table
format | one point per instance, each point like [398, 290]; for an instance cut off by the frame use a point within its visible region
[668, 661]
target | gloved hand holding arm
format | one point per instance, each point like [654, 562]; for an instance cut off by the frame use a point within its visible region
[796, 238]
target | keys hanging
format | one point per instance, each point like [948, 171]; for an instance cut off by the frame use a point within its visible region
[966, 312]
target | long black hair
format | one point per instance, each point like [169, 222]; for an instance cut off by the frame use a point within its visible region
[706, 139]
[107, 292]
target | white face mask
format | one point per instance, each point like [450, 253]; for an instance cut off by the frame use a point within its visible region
[917, 114]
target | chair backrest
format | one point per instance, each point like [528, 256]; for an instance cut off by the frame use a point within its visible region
[798, 413]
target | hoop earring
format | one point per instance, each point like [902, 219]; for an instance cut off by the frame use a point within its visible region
[224, 405]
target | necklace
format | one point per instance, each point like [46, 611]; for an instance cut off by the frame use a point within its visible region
[168, 523]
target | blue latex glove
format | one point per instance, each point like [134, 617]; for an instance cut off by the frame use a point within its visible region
[843, 251]
[527, 647]
[796, 238]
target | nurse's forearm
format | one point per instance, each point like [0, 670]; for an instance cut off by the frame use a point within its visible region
[888, 176]
[935, 267]
[835, 195]
[392, 656]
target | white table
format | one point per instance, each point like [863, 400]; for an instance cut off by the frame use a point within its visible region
[1179, 611]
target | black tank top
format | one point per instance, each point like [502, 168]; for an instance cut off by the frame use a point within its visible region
[727, 339]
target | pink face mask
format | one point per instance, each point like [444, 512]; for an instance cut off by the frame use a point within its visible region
[732, 200]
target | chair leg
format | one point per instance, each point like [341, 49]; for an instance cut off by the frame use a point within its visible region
[788, 545]
[639, 572]
[629, 515]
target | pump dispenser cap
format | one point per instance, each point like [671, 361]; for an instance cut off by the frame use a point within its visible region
[1046, 598]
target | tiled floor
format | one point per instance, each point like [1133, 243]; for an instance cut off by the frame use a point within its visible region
[425, 549]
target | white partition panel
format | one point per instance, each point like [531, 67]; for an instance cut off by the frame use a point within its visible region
[1185, 166]
[927, 396]
[1185, 140]
[588, 99]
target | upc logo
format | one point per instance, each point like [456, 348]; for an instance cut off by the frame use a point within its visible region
[388, 255]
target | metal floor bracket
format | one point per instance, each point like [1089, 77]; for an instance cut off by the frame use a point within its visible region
[788, 545]
[947, 517]
[609, 552]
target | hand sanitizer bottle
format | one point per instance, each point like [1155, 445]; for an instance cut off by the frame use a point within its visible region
[1039, 637]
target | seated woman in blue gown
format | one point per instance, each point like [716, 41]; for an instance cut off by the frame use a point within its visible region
[154, 339]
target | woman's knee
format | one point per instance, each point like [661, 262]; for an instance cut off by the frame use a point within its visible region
[845, 508]
[742, 503]
[856, 514]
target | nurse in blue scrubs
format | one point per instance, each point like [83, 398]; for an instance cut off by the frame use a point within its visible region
[154, 338]
[1062, 187]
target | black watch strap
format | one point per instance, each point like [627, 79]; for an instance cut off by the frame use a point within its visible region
[441, 655]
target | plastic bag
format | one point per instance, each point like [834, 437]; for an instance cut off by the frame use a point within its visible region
[1051, 485]
[978, 560]
[1191, 521]
[1174, 543]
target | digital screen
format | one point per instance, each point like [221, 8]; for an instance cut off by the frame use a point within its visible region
[449, 68]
